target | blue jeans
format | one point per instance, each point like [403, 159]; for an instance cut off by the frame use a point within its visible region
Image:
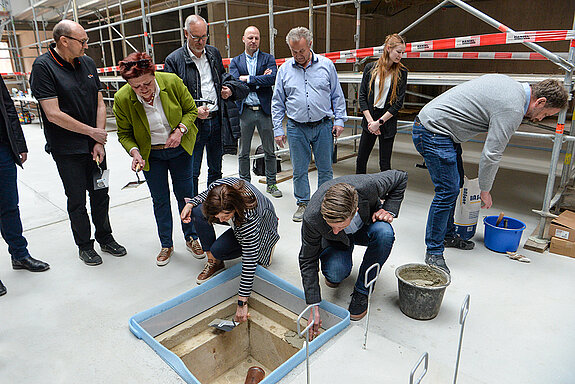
[225, 247]
[337, 261]
[443, 159]
[303, 139]
[10, 223]
[209, 137]
[178, 163]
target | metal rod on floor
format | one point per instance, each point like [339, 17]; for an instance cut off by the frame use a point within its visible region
[424, 357]
[313, 307]
[369, 285]
[462, 317]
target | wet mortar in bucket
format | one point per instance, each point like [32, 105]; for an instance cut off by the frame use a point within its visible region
[421, 289]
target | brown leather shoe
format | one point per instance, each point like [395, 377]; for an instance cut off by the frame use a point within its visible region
[330, 284]
[164, 256]
[255, 375]
[195, 248]
[211, 269]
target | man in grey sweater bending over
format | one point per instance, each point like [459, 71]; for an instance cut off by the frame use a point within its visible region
[495, 104]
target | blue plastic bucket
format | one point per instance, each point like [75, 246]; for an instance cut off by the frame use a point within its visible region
[501, 239]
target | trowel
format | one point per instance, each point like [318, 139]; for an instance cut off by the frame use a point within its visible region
[223, 325]
[102, 180]
[135, 184]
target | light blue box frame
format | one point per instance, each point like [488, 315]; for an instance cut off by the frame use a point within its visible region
[149, 323]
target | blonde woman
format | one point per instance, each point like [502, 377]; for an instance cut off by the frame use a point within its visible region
[380, 98]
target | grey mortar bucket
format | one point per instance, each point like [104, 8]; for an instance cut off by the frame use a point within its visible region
[421, 289]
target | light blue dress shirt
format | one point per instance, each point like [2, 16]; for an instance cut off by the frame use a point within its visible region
[252, 64]
[307, 94]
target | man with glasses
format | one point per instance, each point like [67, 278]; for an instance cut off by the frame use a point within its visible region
[66, 84]
[201, 68]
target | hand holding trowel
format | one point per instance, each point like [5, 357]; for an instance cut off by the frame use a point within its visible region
[135, 184]
[101, 176]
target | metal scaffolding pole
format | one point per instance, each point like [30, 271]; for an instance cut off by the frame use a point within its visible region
[102, 45]
[113, 54]
[122, 30]
[36, 31]
[273, 31]
[150, 33]
[145, 27]
[425, 16]
[180, 17]
[328, 27]
[311, 16]
[75, 9]
[227, 25]
[566, 170]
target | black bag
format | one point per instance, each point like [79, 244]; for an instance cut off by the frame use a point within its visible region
[259, 166]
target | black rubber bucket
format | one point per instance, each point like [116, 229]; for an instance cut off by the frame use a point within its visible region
[421, 290]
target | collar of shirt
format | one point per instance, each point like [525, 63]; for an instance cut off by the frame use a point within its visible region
[313, 60]
[156, 95]
[527, 88]
[354, 225]
[60, 60]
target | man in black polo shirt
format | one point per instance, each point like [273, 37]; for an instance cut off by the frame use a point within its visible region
[66, 84]
[13, 151]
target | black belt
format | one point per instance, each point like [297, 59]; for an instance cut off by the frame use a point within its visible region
[313, 123]
[211, 115]
[253, 107]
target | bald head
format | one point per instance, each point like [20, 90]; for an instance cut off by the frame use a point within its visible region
[65, 28]
[251, 39]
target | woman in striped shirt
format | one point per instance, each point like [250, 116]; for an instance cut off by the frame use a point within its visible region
[253, 233]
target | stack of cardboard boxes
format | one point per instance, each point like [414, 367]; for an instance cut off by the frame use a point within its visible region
[562, 232]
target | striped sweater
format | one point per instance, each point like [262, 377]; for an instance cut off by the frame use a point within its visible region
[257, 235]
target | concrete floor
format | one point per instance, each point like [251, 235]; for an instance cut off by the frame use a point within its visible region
[70, 324]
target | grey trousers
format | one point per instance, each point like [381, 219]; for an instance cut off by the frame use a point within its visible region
[248, 122]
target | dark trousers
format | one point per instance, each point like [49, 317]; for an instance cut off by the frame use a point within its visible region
[10, 223]
[225, 247]
[248, 122]
[178, 163]
[366, 143]
[77, 173]
[209, 137]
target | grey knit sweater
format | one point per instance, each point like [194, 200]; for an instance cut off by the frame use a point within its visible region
[491, 103]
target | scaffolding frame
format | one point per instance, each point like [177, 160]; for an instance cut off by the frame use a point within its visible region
[550, 199]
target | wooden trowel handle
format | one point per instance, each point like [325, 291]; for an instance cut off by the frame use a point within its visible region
[499, 219]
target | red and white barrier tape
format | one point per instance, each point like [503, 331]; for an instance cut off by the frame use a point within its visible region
[422, 49]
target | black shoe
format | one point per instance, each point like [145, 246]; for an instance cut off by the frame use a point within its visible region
[30, 264]
[113, 248]
[458, 242]
[437, 261]
[2, 289]
[90, 257]
[358, 306]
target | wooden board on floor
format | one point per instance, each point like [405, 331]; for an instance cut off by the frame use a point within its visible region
[540, 245]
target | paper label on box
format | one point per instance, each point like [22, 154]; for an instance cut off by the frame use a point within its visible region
[561, 234]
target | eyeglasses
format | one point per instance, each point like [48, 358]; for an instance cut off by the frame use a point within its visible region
[83, 41]
[198, 38]
[142, 64]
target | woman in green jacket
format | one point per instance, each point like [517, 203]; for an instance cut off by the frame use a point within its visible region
[155, 114]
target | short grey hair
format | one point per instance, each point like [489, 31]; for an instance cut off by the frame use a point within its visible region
[63, 28]
[194, 19]
[297, 33]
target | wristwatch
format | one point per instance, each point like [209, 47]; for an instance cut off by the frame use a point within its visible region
[183, 129]
[241, 303]
[381, 122]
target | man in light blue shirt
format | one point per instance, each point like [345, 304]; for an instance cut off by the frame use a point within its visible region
[258, 70]
[308, 92]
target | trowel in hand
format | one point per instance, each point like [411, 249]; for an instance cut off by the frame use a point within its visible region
[135, 184]
[223, 325]
[101, 178]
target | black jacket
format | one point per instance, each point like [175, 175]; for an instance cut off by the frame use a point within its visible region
[316, 234]
[180, 63]
[12, 124]
[367, 97]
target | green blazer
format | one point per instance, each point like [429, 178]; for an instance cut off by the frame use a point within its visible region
[133, 127]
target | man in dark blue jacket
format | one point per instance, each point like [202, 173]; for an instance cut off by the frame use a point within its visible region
[13, 151]
[258, 69]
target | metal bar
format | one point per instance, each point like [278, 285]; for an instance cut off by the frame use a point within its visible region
[125, 41]
[310, 15]
[432, 11]
[180, 17]
[462, 317]
[150, 32]
[123, 31]
[328, 27]
[502, 27]
[36, 32]
[313, 308]
[370, 285]
[102, 45]
[570, 147]
[273, 31]
[75, 9]
[114, 62]
[144, 27]
[424, 357]
[227, 25]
